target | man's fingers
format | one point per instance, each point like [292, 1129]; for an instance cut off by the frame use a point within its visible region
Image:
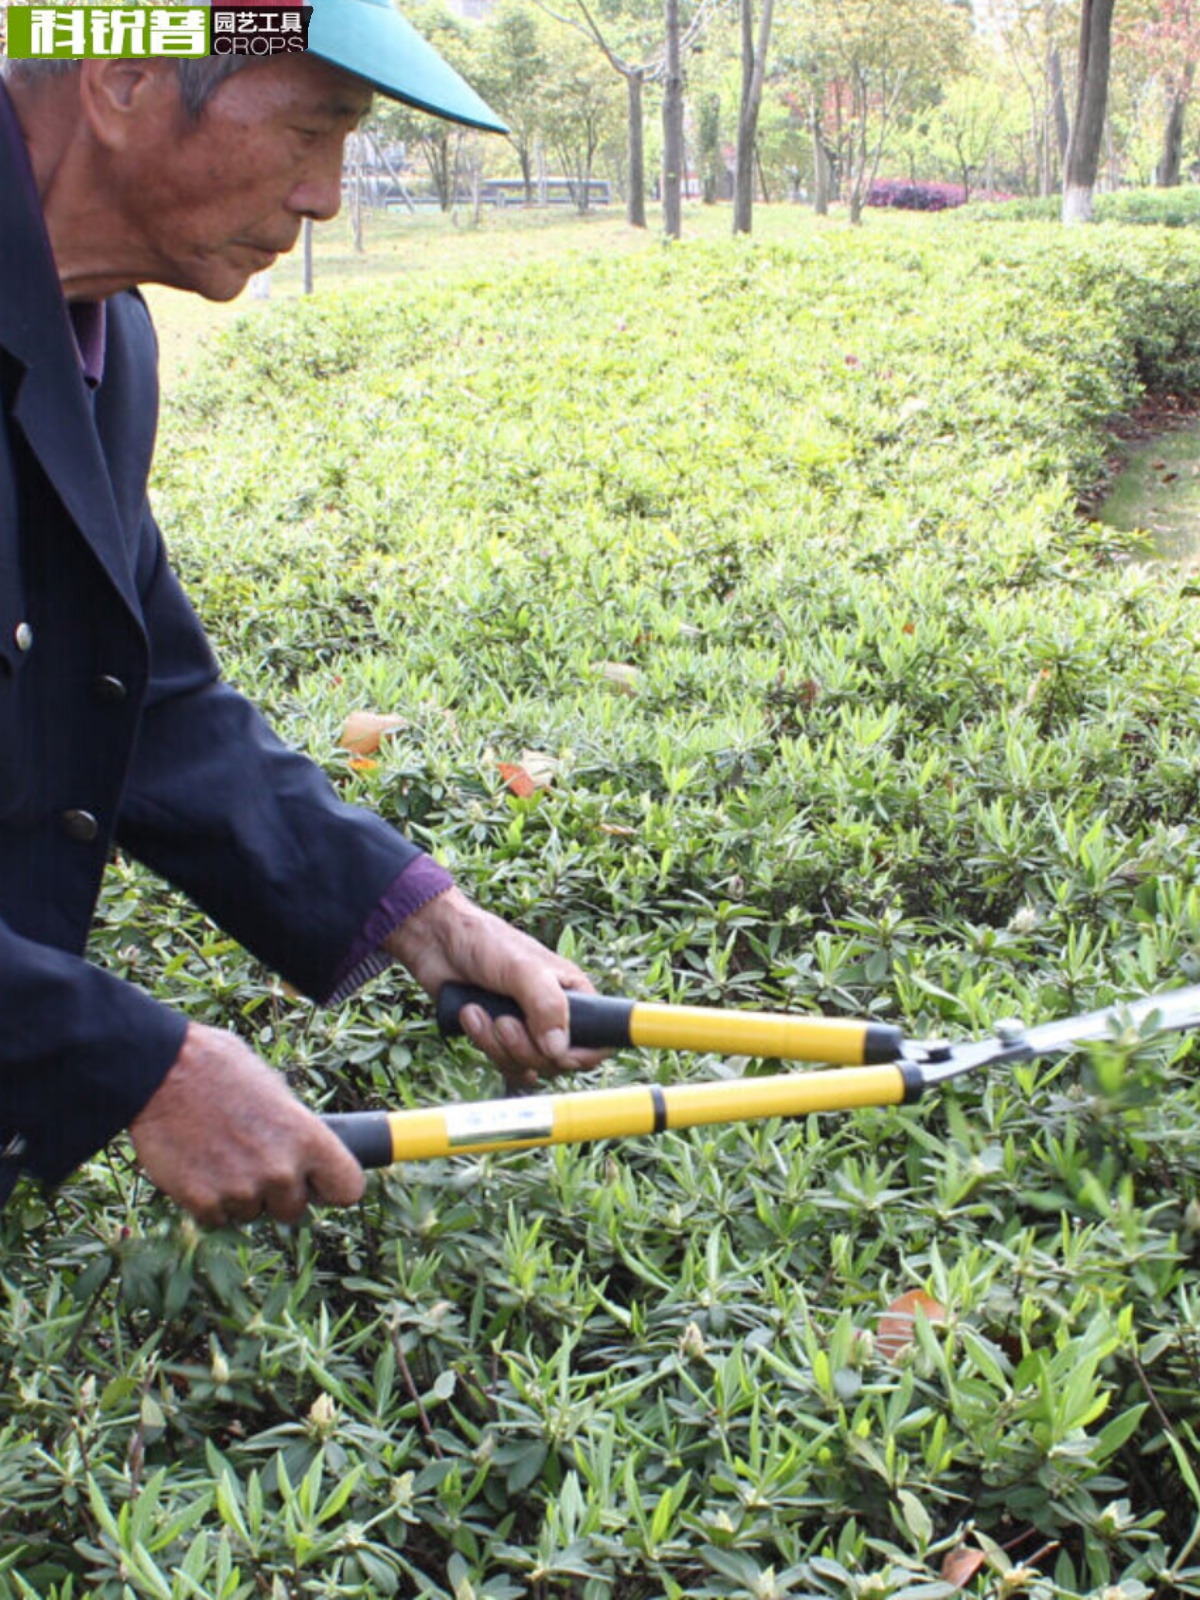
[327, 1174]
[507, 1041]
[539, 990]
[333, 1178]
[336, 1179]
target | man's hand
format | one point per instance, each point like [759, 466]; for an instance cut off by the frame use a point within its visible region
[451, 940]
[226, 1138]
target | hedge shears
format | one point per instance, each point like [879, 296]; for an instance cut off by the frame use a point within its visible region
[870, 1064]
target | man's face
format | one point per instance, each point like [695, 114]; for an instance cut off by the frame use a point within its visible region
[213, 200]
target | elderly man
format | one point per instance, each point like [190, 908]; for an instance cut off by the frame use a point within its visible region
[114, 723]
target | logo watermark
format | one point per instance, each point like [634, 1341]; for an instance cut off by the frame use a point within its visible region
[83, 32]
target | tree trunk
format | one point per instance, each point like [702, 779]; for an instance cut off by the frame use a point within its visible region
[1087, 129]
[1166, 174]
[593, 146]
[711, 162]
[754, 68]
[820, 166]
[357, 227]
[1058, 100]
[1041, 146]
[635, 209]
[672, 181]
[856, 164]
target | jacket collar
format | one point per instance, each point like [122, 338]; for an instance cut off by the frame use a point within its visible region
[52, 405]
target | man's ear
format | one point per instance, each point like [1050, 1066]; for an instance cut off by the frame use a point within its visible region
[128, 101]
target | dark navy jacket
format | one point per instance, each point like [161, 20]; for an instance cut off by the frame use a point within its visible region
[115, 727]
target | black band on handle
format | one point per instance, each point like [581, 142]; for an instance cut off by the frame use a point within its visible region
[914, 1081]
[597, 1021]
[366, 1134]
[882, 1043]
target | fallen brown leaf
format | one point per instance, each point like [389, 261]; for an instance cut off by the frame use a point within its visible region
[535, 770]
[364, 731]
[517, 779]
[895, 1330]
[961, 1565]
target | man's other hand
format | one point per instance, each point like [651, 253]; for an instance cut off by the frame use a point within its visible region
[227, 1140]
[452, 940]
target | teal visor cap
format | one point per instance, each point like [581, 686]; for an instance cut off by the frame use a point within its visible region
[373, 41]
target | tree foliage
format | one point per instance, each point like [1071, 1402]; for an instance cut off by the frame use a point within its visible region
[584, 113]
[439, 143]
[512, 74]
[914, 89]
[861, 65]
[1163, 38]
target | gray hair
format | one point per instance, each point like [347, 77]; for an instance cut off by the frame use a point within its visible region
[199, 78]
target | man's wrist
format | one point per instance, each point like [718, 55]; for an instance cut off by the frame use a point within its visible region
[422, 881]
[409, 938]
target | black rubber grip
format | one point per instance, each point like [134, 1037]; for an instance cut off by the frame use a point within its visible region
[881, 1043]
[914, 1081]
[366, 1134]
[597, 1021]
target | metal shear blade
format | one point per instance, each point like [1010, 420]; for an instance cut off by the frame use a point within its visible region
[1175, 1011]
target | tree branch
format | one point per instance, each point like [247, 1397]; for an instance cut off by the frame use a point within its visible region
[590, 30]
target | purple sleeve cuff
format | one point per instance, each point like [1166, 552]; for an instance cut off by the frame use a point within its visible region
[420, 882]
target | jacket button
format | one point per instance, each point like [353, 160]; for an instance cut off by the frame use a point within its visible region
[110, 689]
[80, 826]
[23, 637]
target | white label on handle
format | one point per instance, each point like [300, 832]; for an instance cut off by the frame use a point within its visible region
[499, 1122]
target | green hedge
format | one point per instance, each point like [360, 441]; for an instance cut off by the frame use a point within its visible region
[1167, 208]
[906, 738]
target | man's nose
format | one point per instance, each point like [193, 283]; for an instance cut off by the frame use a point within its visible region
[319, 194]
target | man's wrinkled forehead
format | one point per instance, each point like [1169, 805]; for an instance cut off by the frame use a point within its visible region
[308, 85]
[349, 105]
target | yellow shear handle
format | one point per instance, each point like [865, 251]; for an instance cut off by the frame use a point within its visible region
[767, 1035]
[606, 1022]
[379, 1138]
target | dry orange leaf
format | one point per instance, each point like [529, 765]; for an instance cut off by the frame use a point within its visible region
[961, 1565]
[895, 1331]
[364, 731]
[535, 770]
[517, 779]
[361, 764]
